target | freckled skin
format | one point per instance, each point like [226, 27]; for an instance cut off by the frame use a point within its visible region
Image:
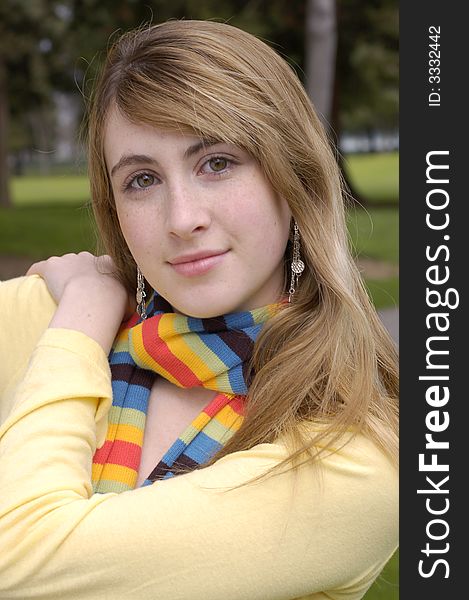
[217, 199]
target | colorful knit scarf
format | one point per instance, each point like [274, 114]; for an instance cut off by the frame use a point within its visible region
[212, 353]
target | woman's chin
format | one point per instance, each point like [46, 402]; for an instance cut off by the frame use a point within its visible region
[207, 309]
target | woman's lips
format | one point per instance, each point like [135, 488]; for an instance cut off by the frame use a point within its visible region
[199, 266]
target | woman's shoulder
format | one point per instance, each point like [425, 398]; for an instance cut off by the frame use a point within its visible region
[353, 463]
[26, 310]
[27, 284]
[27, 306]
[356, 464]
[352, 474]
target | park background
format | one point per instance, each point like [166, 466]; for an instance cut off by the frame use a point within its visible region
[344, 51]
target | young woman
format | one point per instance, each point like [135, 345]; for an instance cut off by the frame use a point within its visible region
[236, 436]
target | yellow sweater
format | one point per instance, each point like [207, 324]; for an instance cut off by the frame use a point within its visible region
[321, 536]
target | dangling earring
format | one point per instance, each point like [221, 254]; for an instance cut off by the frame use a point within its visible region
[141, 295]
[297, 265]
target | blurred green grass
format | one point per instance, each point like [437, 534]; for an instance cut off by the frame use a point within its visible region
[45, 230]
[374, 233]
[51, 216]
[50, 190]
[375, 176]
[386, 586]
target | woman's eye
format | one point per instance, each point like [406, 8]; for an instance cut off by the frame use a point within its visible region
[139, 182]
[143, 180]
[218, 163]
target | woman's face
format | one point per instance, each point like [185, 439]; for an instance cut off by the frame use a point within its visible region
[200, 219]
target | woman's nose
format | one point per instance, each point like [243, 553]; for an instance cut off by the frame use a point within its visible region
[187, 210]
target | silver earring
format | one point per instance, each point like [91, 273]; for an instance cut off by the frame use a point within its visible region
[141, 295]
[297, 265]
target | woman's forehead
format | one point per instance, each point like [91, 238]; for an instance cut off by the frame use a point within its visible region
[117, 121]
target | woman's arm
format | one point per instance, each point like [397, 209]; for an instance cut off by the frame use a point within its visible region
[26, 308]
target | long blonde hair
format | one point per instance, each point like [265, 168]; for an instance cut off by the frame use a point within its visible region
[325, 357]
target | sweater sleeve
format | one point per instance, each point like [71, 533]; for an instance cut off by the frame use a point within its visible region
[185, 537]
[26, 308]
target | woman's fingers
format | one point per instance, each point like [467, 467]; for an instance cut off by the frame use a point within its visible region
[36, 268]
[75, 269]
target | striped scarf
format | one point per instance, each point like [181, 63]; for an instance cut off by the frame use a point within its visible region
[212, 353]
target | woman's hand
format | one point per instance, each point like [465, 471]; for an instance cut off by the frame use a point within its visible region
[89, 298]
[61, 271]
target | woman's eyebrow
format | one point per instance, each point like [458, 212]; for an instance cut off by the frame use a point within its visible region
[132, 159]
[203, 143]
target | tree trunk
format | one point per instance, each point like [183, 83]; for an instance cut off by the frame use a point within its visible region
[5, 199]
[41, 130]
[322, 85]
[320, 56]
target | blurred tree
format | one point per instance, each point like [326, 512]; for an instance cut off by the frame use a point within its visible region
[366, 91]
[31, 35]
[352, 77]
[368, 63]
[320, 55]
[98, 22]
